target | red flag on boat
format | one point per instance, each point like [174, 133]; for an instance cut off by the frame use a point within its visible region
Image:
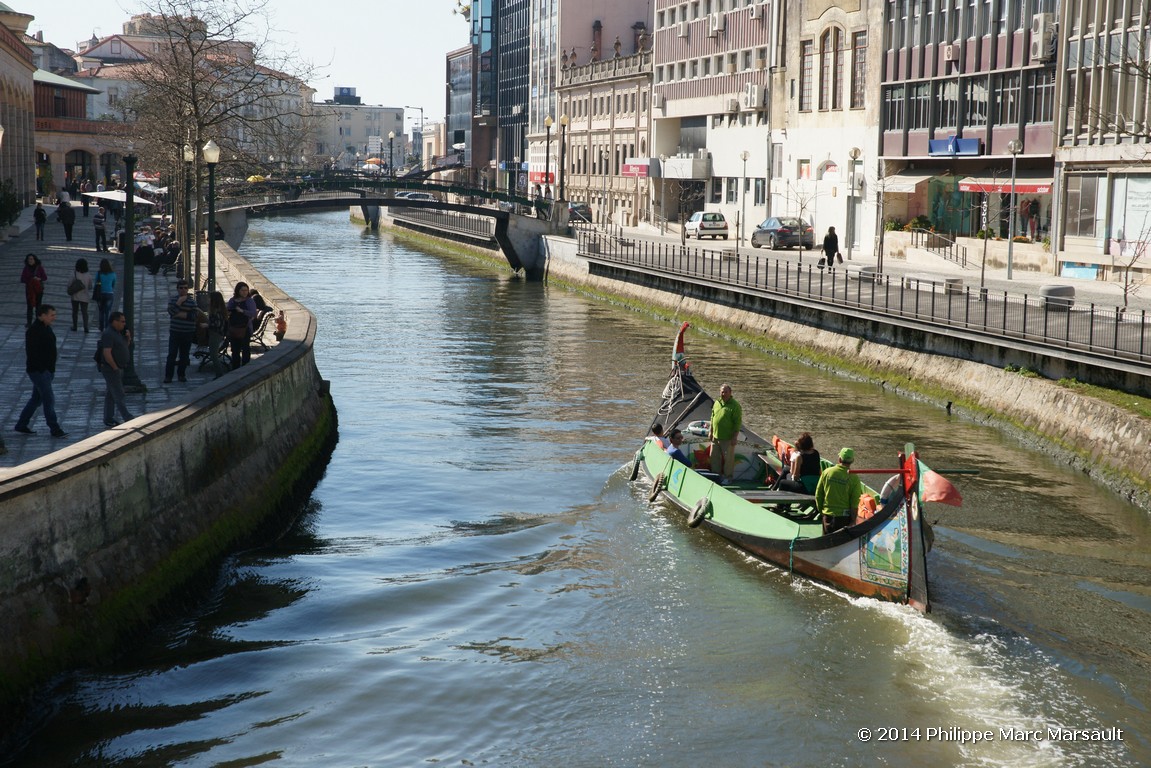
[935, 487]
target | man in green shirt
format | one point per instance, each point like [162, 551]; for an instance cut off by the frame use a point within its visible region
[837, 493]
[726, 421]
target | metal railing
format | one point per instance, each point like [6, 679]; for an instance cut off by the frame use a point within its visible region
[451, 221]
[1055, 322]
[941, 245]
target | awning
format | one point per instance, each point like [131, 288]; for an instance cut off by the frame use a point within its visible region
[1025, 184]
[903, 183]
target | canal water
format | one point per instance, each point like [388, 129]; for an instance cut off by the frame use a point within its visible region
[474, 581]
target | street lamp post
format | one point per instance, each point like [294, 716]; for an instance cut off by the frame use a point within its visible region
[563, 152]
[853, 154]
[663, 193]
[1014, 147]
[742, 223]
[211, 154]
[547, 154]
[391, 154]
[131, 379]
[420, 152]
[189, 158]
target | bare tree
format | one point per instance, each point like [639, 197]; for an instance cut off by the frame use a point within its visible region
[212, 75]
[1126, 255]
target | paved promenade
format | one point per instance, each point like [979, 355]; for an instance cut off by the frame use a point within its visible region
[78, 386]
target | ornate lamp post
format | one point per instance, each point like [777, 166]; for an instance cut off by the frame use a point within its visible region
[1015, 146]
[131, 378]
[391, 154]
[853, 154]
[547, 154]
[563, 151]
[189, 158]
[211, 153]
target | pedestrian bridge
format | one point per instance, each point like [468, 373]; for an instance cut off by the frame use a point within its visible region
[519, 222]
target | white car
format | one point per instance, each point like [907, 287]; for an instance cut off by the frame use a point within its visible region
[420, 196]
[704, 223]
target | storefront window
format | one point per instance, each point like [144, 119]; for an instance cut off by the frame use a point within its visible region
[1082, 192]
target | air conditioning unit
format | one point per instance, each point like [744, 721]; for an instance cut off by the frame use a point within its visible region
[702, 154]
[517, 109]
[716, 23]
[757, 11]
[658, 101]
[733, 105]
[751, 98]
[681, 29]
[1043, 37]
[951, 52]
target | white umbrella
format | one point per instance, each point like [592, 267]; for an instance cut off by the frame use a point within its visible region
[118, 194]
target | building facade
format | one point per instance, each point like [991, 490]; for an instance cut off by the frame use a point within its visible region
[350, 134]
[17, 110]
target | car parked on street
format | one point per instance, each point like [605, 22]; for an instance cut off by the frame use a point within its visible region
[707, 223]
[783, 232]
[579, 212]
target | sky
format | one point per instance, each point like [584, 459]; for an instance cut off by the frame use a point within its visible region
[391, 51]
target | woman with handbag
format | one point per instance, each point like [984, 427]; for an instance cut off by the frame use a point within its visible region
[79, 290]
[241, 312]
[104, 291]
[33, 276]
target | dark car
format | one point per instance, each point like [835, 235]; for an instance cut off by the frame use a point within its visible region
[579, 212]
[783, 232]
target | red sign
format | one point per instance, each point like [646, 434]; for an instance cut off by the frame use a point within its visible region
[537, 177]
[638, 169]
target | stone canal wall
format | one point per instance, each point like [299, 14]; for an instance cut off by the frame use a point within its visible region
[99, 535]
[1109, 443]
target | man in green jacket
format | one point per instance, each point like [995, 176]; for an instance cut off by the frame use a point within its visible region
[726, 421]
[837, 493]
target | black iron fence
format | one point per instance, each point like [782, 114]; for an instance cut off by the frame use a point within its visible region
[1056, 322]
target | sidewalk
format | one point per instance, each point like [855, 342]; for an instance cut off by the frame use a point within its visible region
[923, 263]
[78, 386]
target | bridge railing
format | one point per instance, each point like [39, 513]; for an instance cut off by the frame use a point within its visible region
[454, 221]
[1050, 321]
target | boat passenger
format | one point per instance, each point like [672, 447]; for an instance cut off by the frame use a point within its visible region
[657, 436]
[723, 430]
[837, 493]
[805, 467]
[676, 439]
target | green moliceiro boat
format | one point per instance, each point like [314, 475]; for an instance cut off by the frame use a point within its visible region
[883, 554]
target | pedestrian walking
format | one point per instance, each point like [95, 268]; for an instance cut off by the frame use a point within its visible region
[831, 248]
[33, 276]
[114, 354]
[104, 291]
[79, 290]
[40, 349]
[100, 223]
[85, 201]
[66, 215]
[182, 311]
[39, 216]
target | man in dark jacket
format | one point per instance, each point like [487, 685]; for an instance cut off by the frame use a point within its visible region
[67, 216]
[40, 347]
